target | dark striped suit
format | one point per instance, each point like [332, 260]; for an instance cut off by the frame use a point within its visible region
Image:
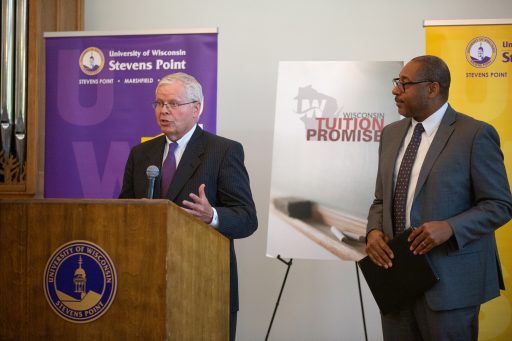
[208, 159]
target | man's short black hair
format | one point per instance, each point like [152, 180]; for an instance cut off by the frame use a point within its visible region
[435, 69]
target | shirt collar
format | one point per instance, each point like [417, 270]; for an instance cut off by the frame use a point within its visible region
[184, 140]
[431, 123]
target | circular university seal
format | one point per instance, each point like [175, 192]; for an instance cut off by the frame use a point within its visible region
[80, 281]
[481, 52]
[92, 61]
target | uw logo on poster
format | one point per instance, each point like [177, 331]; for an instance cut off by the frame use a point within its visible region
[481, 52]
[80, 281]
[92, 61]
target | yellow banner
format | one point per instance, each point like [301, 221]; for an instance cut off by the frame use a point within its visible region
[479, 55]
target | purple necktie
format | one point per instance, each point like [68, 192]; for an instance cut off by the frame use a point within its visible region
[403, 179]
[168, 170]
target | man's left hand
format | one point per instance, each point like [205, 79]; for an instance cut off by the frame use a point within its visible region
[199, 206]
[429, 235]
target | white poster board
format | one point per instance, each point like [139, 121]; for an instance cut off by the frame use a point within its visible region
[329, 116]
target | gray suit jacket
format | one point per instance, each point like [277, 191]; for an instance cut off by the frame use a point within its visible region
[463, 181]
[210, 159]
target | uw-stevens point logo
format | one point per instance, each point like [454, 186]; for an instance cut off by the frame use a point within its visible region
[92, 61]
[80, 281]
[481, 52]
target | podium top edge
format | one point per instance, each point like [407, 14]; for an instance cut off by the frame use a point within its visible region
[90, 201]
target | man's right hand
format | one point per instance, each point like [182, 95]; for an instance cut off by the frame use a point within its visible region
[378, 249]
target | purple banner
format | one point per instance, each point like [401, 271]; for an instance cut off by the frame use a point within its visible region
[99, 91]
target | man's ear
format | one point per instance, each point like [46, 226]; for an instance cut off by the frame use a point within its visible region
[197, 109]
[434, 89]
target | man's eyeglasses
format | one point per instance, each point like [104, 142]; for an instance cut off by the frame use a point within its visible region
[401, 85]
[171, 105]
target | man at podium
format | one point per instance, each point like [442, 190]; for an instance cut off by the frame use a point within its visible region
[201, 172]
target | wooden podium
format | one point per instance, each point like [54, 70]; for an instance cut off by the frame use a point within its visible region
[172, 270]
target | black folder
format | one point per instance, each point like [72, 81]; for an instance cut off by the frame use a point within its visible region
[410, 276]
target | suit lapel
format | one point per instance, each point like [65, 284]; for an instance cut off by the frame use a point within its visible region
[391, 154]
[154, 157]
[188, 164]
[443, 133]
[388, 157]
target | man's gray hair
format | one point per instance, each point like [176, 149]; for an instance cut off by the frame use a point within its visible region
[193, 89]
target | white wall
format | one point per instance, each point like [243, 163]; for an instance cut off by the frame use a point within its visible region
[254, 37]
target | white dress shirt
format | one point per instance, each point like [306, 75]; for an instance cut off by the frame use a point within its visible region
[430, 124]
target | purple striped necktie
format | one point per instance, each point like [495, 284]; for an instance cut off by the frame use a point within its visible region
[168, 170]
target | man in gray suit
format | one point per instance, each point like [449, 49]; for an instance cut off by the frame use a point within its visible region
[209, 179]
[457, 196]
